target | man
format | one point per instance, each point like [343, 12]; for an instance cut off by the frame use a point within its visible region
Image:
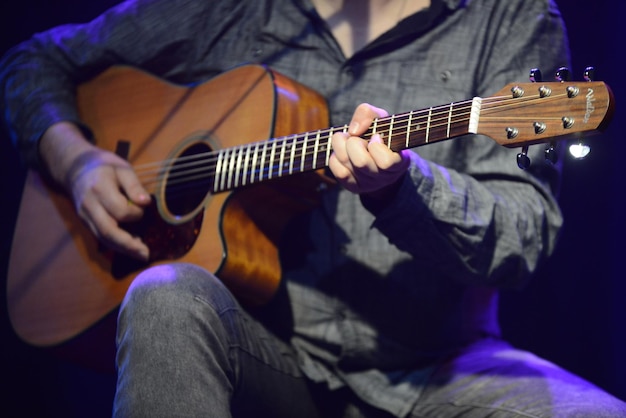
[391, 309]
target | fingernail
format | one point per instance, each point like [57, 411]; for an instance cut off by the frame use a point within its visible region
[354, 127]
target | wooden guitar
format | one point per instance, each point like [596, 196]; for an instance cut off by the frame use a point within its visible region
[223, 191]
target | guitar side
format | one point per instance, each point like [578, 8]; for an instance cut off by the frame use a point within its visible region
[60, 281]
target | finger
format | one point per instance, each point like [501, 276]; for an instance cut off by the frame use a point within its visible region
[360, 158]
[111, 235]
[107, 192]
[363, 117]
[338, 143]
[343, 174]
[383, 157]
[132, 187]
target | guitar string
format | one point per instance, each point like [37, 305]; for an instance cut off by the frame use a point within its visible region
[282, 142]
[325, 133]
[289, 140]
[206, 173]
[400, 118]
[399, 125]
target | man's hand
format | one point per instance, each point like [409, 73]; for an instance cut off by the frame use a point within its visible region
[103, 186]
[366, 167]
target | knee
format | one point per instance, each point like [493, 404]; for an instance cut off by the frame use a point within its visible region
[172, 290]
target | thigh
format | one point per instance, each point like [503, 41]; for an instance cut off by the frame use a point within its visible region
[268, 379]
[187, 348]
[493, 379]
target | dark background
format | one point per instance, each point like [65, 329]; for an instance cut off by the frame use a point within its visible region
[572, 313]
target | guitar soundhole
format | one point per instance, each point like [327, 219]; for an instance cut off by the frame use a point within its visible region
[189, 180]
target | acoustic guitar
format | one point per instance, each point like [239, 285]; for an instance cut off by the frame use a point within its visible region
[220, 159]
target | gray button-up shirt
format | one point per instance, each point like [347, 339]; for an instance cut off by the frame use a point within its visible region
[380, 293]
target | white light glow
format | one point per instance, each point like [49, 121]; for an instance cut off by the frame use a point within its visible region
[579, 150]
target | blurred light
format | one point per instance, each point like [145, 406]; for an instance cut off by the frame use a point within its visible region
[579, 150]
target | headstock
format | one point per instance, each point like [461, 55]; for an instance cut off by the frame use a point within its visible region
[523, 114]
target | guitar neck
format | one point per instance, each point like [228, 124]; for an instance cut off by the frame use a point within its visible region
[278, 157]
[519, 115]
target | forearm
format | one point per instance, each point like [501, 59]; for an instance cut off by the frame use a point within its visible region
[38, 78]
[492, 229]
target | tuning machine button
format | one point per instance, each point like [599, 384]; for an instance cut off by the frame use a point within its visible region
[562, 74]
[523, 161]
[550, 153]
[589, 73]
[535, 75]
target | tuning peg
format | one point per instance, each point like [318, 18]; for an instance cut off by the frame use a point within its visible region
[523, 161]
[589, 73]
[550, 153]
[579, 150]
[535, 75]
[562, 74]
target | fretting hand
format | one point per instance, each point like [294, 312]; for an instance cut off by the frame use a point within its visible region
[366, 167]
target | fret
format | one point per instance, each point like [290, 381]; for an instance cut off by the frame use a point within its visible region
[218, 171]
[329, 147]
[246, 161]
[255, 157]
[231, 167]
[238, 165]
[281, 160]
[271, 162]
[408, 130]
[389, 135]
[224, 170]
[303, 154]
[262, 162]
[292, 155]
[315, 148]
[225, 162]
[449, 120]
[430, 115]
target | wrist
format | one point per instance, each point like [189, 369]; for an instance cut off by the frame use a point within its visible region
[61, 145]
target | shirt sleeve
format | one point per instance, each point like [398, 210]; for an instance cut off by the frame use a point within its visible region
[481, 219]
[38, 77]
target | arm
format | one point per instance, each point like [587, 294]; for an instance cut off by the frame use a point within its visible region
[38, 80]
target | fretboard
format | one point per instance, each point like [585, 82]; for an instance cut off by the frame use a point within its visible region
[278, 157]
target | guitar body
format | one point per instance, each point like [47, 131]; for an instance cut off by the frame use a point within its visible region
[61, 281]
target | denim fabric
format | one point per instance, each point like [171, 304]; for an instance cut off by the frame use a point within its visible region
[187, 349]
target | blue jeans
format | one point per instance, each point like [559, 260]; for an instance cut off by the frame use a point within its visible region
[187, 349]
